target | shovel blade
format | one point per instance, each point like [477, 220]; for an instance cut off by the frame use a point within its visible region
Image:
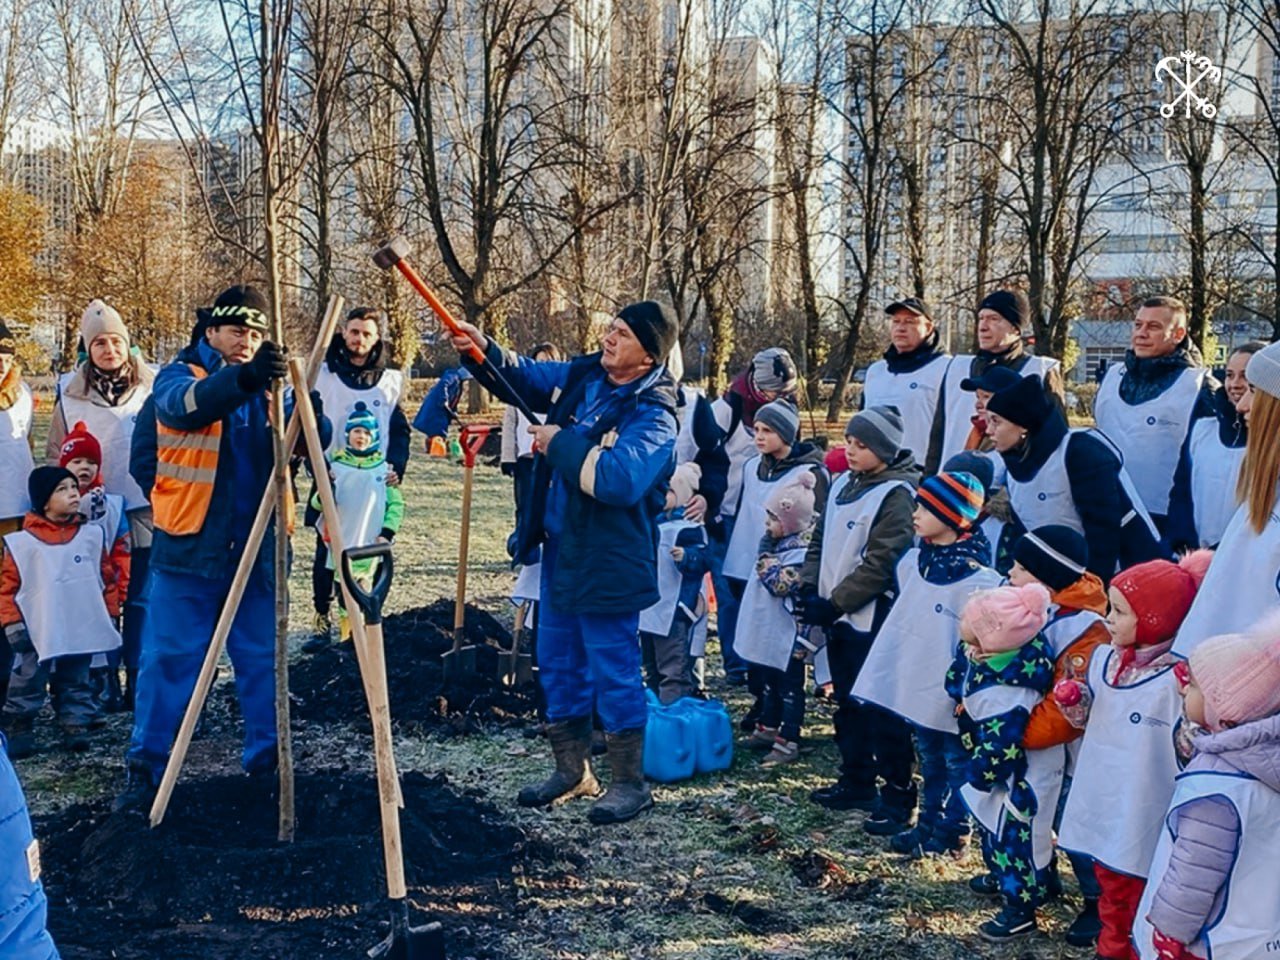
[524, 669]
[414, 943]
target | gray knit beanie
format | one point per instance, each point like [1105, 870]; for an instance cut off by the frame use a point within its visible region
[879, 429]
[782, 418]
[773, 369]
[1263, 371]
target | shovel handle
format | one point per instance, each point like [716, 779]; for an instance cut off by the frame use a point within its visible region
[472, 438]
[370, 601]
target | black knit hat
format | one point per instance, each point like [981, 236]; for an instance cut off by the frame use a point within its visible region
[42, 482]
[653, 327]
[971, 461]
[8, 343]
[1010, 304]
[993, 380]
[1055, 555]
[242, 306]
[1024, 403]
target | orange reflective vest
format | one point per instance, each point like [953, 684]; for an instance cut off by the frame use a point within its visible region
[186, 466]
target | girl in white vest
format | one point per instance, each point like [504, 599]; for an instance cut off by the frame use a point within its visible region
[1203, 500]
[1127, 761]
[1215, 889]
[781, 458]
[768, 637]
[16, 409]
[907, 666]
[57, 600]
[1243, 584]
[910, 375]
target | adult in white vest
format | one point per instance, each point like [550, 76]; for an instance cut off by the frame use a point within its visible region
[107, 392]
[1243, 584]
[16, 409]
[1146, 404]
[1215, 889]
[770, 376]
[1203, 499]
[909, 378]
[1002, 318]
[1075, 478]
[355, 371]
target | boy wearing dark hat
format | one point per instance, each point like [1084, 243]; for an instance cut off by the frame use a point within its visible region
[862, 532]
[58, 598]
[907, 666]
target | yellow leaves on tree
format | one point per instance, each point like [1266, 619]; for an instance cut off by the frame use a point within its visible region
[22, 280]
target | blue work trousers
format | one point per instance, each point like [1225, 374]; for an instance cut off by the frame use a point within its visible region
[944, 767]
[182, 613]
[589, 661]
[23, 907]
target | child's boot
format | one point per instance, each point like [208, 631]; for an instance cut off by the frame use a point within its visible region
[763, 738]
[1087, 925]
[321, 634]
[1011, 922]
[784, 751]
[20, 730]
[75, 736]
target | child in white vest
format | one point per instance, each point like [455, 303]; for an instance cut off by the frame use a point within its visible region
[667, 627]
[1128, 758]
[58, 600]
[908, 662]
[767, 636]
[1003, 671]
[369, 510]
[1215, 889]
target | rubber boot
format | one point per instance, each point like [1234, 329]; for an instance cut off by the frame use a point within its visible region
[20, 730]
[571, 746]
[628, 794]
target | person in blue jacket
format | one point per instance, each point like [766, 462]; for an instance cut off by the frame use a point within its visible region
[605, 452]
[23, 906]
[440, 405]
[213, 462]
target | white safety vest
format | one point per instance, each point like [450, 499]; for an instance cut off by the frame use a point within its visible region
[1241, 587]
[1045, 769]
[1047, 499]
[113, 428]
[915, 394]
[108, 519]
[1065, 628]
[60, 596]
[1149, 435]
[686, 445]
[748, 528]
[361, 498]
[340, 399]
[659, 617]
[846, 529]
[739, 447]
[16, 462]
[1214, 471]
[959, 404]
[1127, 751]
[766, 629]
[907, 665]
[1246, 918]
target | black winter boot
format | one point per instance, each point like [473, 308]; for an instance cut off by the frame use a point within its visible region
[20, 730]
[1086, 927]
[571, 745]
[139, 791]
[628, 794]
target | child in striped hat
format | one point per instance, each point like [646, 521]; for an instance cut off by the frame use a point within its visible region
[906, 669]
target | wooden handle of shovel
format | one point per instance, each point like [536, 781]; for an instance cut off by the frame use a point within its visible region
[384, 758]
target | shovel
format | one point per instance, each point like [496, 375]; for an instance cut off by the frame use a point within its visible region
[460, 661]
[403, 942]
[509, 660]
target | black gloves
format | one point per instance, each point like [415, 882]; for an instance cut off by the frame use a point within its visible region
[815, 611]
[267, 366]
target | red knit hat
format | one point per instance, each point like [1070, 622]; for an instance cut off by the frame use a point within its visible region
[81, 443]
[1161, 593]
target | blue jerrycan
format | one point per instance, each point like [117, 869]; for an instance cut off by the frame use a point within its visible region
[669, 749]
[712, 734]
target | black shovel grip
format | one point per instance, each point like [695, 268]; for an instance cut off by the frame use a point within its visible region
[370, 601]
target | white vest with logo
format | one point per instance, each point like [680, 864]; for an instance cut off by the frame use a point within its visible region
[766, 629]
[361, 498]
[16, 462]
[1149, 435]
[1214, 471]
[906, 668]
[959, 404]
[915, 394]
[846, 528]
[1065, 628]
[60, 595]
[1241, 587]
[748, 528]
[340, 399]
[739, 447]
[1125, 770]
[113, 428]
[1246, 921]
[659, 617]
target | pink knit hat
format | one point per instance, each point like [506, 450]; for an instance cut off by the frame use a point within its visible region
[792, 503]
[1239, 674]
[1005, 618]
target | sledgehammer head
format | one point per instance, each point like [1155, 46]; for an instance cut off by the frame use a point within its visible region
[391, 253]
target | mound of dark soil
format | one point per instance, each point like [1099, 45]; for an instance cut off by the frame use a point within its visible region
[326, 686]
[212, 881]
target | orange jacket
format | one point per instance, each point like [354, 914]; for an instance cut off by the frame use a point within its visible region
[1047, 726]
[47, 531]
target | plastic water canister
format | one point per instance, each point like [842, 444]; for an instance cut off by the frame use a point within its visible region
[669, 749]
[713, 735]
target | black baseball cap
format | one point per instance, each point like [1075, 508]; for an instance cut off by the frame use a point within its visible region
[995, 379]
[911, 305]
